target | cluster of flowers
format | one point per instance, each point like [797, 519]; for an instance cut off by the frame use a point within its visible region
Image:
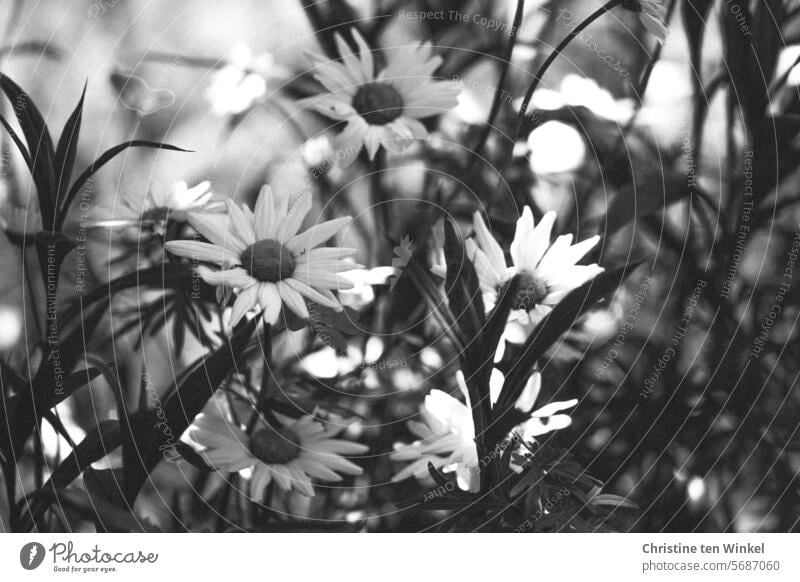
[262, 257]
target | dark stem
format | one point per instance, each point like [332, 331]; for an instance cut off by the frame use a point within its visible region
[526, 101]
[498, 94]
[380, 204]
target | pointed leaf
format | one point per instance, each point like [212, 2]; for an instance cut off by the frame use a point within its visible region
[104, 159]
[67, 148]
[40, 144]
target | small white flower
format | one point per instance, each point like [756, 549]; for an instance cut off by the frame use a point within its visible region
[266, 260]
[290, 455]
[238, 85]
[547, 272]
[447, 435]
[383, 109]
[652, 14]
[158, 206]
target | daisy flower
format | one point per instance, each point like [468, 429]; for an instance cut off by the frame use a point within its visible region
[652, 14]
[447, 435]
[159, 206]
[381, 109]
[238, 85]
[290, 455]
[265, 259]
[547, 272]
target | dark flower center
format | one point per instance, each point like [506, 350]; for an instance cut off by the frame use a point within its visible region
[275, 445]
[378, 103]
[268, 260]
[530, 293]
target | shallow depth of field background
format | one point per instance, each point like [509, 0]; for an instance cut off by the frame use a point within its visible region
[736, 480]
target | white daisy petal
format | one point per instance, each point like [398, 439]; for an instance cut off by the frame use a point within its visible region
[200, 251]
[314, 295]
[294, 219]
[316, 235]
[238, 277]
[245, 301]
[241, 223]
[293, 299]
[270, 301]
[215, 227]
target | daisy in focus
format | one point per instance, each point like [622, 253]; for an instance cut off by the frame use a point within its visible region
[652, 14]
[265, 260]
[159, 206]
[242, 82]
[381, 109]
[547, 272]
[447, 435]
[290, 455]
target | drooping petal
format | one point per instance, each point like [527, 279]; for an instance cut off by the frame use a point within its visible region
[293, 299]
[270, 301]
[245, 301]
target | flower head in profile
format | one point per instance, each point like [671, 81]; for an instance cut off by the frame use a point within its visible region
[238, 85]
[290, 453]
[447, 435]
[547, 272]
[380, 109]
[652, 14]
[159, 206]
[264, 258]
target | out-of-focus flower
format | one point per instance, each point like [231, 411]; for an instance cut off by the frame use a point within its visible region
[238, 85]
[317, 151]
[547, 272]
[291, 454]
[265, 259]
[555, 147]
[579, 91]
[158, 206]
[362, 293]
[383, 109]
[652, 14]
[447, 435]
[10, 327]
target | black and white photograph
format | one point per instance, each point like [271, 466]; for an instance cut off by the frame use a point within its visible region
[310, 268]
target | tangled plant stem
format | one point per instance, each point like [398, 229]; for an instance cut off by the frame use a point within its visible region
[526, 101]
